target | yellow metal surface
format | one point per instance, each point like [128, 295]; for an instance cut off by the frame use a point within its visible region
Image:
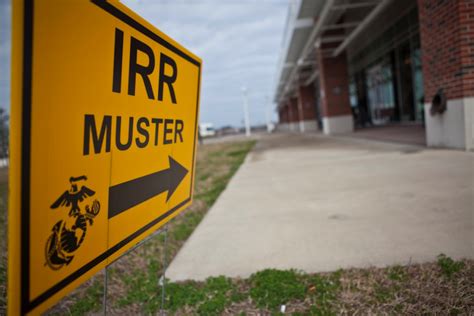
[103, 141]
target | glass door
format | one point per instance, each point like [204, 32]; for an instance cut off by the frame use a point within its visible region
[380, 93]
[418, 81]
[407, 106]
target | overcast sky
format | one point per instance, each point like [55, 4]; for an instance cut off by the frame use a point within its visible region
[5, 29]
[238, 40]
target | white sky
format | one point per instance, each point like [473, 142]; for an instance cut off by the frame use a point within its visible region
[5, 30]
[238, 40]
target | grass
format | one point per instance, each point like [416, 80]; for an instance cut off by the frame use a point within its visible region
[271, 288]
[397, 273]
[448, 266]
[323, 289]
[143, 288]
[91, 300]
[412, 289]
[3, 240]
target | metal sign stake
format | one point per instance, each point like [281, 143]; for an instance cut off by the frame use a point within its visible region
[163, 276]
[104, 298]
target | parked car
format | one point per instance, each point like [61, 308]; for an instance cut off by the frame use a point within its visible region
[207, 130]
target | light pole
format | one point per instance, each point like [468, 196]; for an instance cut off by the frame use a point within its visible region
[268, 114]
[246, 112]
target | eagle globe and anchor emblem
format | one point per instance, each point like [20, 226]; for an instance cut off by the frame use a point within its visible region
[67, 235]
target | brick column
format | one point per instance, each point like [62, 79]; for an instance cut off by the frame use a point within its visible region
[334, 92]
[447, 45]
[283, 124]
[293, 114]
[281, 114]
[307, 109]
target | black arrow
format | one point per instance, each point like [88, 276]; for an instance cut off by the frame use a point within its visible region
[128, 194]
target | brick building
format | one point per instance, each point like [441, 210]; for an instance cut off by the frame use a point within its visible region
[353, 64]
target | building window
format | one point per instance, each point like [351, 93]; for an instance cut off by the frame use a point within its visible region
[381, 98]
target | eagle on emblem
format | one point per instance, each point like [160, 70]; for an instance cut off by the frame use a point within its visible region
[73, 196]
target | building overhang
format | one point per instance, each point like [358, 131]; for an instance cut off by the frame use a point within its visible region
[327, 24]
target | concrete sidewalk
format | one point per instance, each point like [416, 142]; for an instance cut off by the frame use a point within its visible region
[319, 203]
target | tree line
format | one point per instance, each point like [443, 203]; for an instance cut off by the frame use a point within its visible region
[4, 134]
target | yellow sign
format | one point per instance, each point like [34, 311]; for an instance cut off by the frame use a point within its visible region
[104, 127]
